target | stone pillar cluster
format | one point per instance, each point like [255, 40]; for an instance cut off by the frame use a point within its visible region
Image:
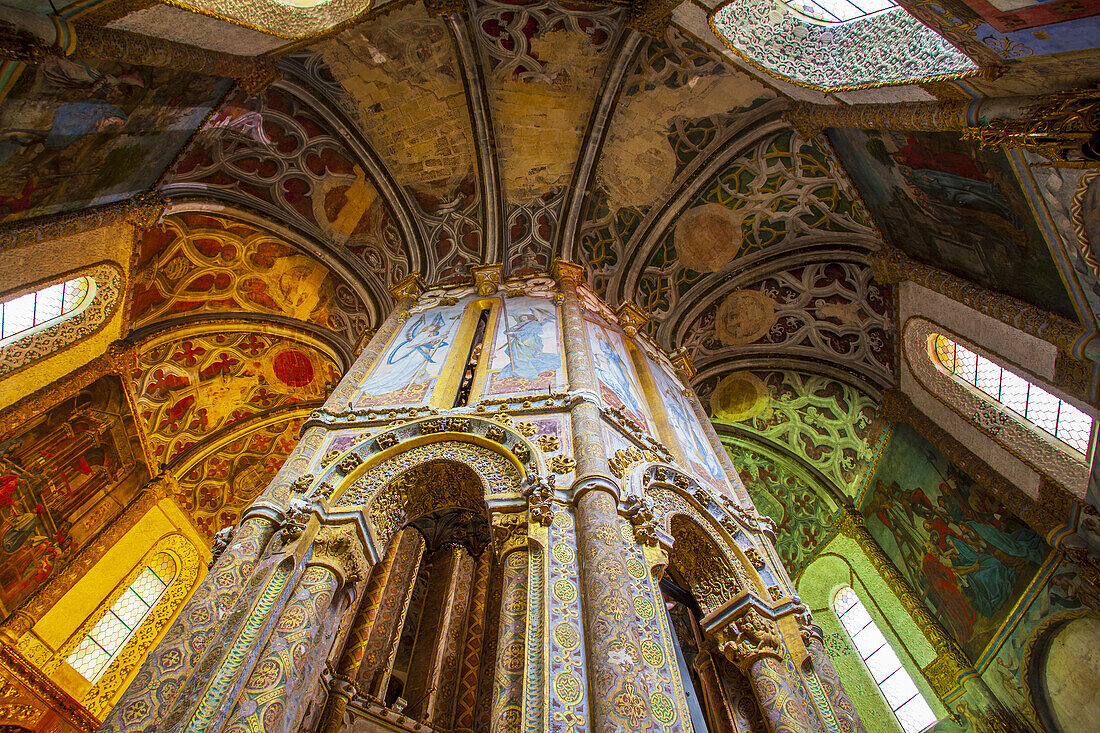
[458, 569]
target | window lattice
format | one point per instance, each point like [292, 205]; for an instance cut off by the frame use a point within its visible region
[107, 638]
[1033, 404]
[839, 11]
[49, 304]
[908, 704]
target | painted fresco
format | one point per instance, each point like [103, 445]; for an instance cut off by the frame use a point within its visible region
[74, 133]
[690, 438]
[191, 387]
[193, 263]
[526, 357]
[411, 364]
[950, 205]
[619, 385]
[960, 550]
[63, 479]
[216, 491]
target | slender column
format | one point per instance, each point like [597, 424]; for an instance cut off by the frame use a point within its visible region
[616, 672]
[835, 693]
[782, 710]
[721, 717]
[739, 696]
[433, 659]
[161, 676]
[289, 664]
[465, 706]
[332, 719]
[405, 293]
[810, 119]
[381, 646]
[590, 453]
[489, 652]
[507, 700]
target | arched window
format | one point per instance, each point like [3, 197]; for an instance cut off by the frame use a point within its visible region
[838, 11]
[109, 636]
[1032, 404]
[901, 693]
[43, 307]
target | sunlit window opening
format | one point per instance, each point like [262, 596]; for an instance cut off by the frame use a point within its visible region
[838, 11]
[1033, 404]
[109, 636]
[42, 307]
[897, 686]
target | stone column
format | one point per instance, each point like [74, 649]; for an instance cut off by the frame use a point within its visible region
[434, 662]
[159, 680]
[470, 659]
[381, 644]
[810, 119]
[754, 644]
[721, 717]
[290, 661]
[405, 293]
[340, 690]
[507, 699]
[830, 681]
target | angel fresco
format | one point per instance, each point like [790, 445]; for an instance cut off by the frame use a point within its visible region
[412, 358]
[615, 374]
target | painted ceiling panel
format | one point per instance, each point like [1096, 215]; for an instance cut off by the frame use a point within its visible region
[79, 133]
[189, 388]
[274, 154]
[193, 263]
[218, 489]
[832, 311]
[545, 66]
[950, 205]
[826, 423]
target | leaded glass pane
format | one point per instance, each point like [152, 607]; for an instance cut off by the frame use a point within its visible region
[148, 586]
[88, 658]
[1042, 409]
[1074, 427]
[966, 363]
[75, 290]
[915, 715]
[839, 11]
[18, 314]
[988, 378]
[1014, 392]
[110, 632]
[42, 306]
[898, 688]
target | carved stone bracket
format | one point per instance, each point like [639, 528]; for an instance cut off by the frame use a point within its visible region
[539, 492]
[339, 548]
[222, 538]
[749, 637]
[487, 278]
[641, 512]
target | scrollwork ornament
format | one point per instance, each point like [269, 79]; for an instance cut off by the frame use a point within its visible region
[562, 464]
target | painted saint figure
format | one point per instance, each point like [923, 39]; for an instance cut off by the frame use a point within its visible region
[613, 372]
[410, 359]
[526, 351]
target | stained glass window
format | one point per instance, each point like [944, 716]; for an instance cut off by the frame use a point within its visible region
[110, 634]
[901, 693]
[1032, 404]
[42, 307]
[838, 11]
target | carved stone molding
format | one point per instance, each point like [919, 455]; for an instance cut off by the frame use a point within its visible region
[750, 637]
[142, 210]
[338, 548]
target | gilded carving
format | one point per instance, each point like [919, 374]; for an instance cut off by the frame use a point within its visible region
[753, 637]
[561, 464]
[548, 443]
[339, 549]
[539, 492]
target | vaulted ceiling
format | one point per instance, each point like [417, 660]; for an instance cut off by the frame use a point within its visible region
[514, 133]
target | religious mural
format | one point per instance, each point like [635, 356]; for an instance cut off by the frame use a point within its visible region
[619, 386]
[194, 263]
[690, 439]
[411, 364]
[962, 551]
[948, 204]
[75, 133]
[526, 356]
[63, 477]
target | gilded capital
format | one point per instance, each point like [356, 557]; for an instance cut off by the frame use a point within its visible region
[568, 272]
[487, 278]
[509, 532]
[681, 361]
[631, 317]
[749, 638]
[410, 286]
[338, 548]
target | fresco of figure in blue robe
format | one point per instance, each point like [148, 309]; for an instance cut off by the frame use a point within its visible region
[407, 370]
[526, 357]
[616, 375]
[689, 433]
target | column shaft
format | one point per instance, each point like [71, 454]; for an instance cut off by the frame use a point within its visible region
[470, 659]
[720, 717]
[507, 700]
[290, 661]
[616, 671]
[158, 683]
[834, 690]
[779, 703]
[433, 660]
[381, 646]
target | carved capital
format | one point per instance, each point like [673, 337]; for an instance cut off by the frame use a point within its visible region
[338, 548]
[750, 637]
[509, 532]
[568, 273]
[631, 317]
[410, 286]
[682, 363]
[487, 278]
